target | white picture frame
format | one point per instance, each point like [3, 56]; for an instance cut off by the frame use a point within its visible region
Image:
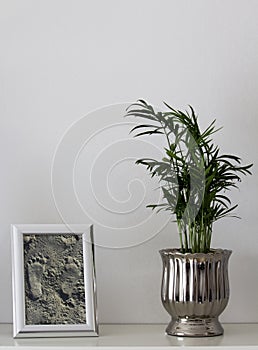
[53, 273]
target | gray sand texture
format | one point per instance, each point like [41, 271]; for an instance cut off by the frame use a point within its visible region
[54, 279]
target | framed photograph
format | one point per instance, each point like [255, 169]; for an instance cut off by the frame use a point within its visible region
[54, 287]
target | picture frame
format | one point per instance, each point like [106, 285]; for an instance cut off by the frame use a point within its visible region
[53, 281]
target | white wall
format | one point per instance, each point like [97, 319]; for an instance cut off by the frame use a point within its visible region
[60, 60]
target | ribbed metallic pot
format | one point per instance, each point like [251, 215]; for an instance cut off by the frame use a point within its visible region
[195, 291]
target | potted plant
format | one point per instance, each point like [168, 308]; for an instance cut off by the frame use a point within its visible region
[195, 179]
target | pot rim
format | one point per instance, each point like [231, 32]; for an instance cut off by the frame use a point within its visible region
[212, 253]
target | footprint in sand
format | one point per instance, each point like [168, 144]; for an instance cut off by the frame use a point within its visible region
[70, 276]
[36, 268]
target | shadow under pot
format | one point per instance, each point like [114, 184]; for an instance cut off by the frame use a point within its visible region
[195, 291]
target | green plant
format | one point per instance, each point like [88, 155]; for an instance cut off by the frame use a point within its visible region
[193, 175]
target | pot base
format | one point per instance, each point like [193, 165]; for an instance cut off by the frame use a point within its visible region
[194, 327]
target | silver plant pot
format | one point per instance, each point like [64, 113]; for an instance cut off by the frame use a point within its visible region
[195, 291]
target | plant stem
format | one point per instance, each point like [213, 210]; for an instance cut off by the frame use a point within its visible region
[186, 239]
[180, 235]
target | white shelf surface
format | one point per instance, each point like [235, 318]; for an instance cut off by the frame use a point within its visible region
[236, 336]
